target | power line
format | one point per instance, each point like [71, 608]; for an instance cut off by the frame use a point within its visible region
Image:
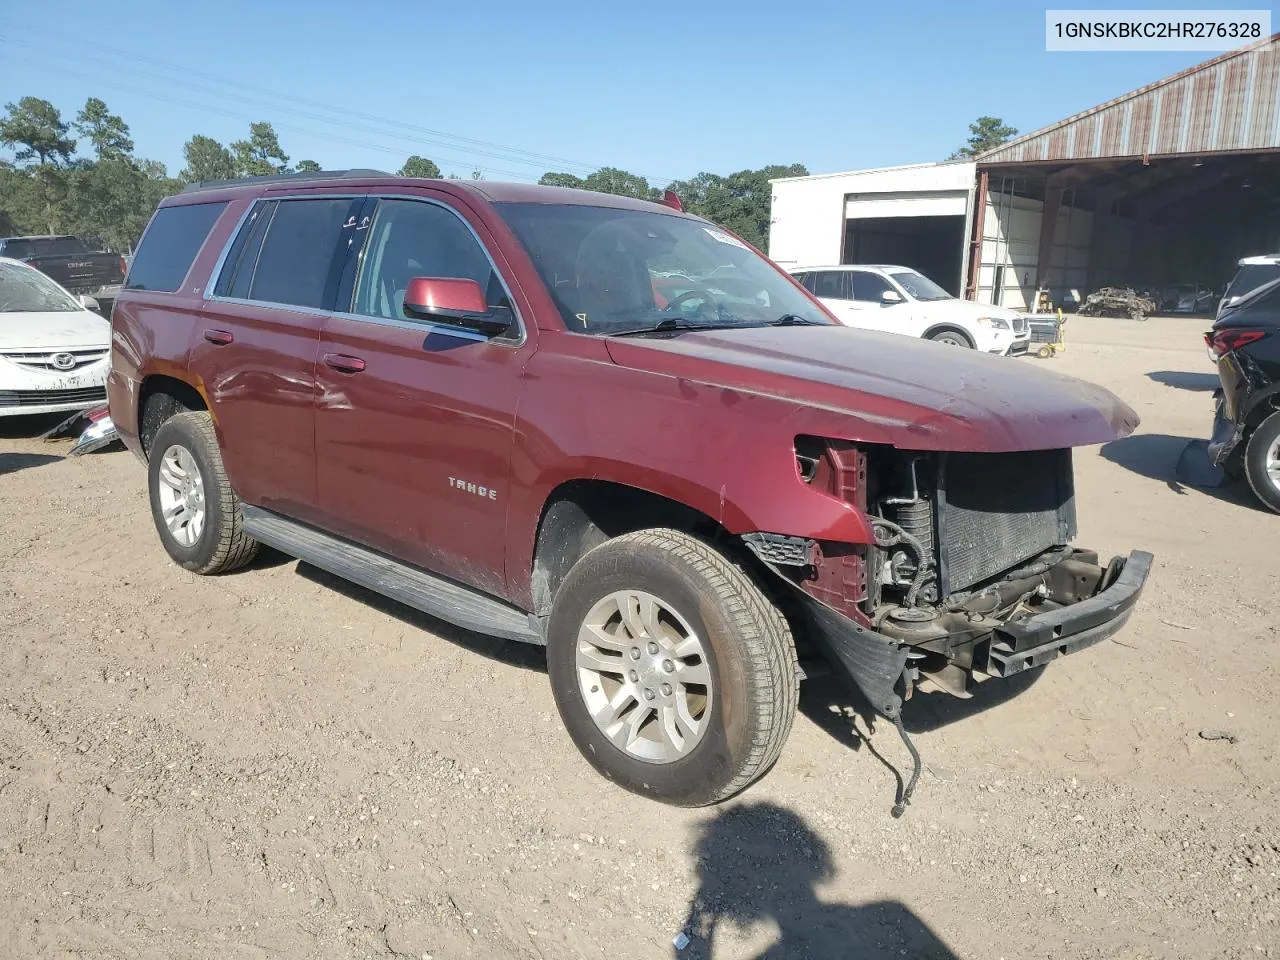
[364, 144]
[427, 136]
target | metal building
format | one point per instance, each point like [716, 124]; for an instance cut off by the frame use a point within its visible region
[1169, 184]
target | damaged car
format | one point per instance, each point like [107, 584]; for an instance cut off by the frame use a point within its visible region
[471, 397]
[53, 347]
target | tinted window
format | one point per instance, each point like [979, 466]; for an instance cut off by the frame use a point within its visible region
[1251, 277]
[412, 239]
[43, 247]
[237, 270]
[804, 279]
[294, 263]
[831, 284]
[869, 286]
[170, 245]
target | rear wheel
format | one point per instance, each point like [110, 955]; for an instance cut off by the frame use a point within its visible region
[196, 512]
[674, 674]
[1262, 461]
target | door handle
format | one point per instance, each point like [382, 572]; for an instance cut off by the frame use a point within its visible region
[219, 338]
[343, 363]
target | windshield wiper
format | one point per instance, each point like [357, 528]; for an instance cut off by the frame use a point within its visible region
[795, 320]
[671, 323]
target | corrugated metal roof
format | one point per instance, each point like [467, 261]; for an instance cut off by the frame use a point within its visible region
[1231, 102]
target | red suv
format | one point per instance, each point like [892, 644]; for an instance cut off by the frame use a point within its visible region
[470, 397]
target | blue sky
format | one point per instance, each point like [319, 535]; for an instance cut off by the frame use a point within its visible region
[661, 89]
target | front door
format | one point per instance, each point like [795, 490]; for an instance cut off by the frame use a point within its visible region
[415, 419]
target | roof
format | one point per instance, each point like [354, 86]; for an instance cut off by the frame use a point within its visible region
[851, 173]
[495, 192]
[1229, 103]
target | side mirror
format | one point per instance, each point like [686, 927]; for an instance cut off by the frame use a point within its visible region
[89, 303]
[455, 301]
[891, 296]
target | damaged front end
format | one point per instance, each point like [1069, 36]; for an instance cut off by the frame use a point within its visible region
[970, 574]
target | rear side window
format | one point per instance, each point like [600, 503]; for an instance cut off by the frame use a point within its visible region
[242, 258]
[1250, 277]
[295, 263]
[831, 284]
[170, 245]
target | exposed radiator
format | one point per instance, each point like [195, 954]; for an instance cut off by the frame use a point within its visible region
[997, 510]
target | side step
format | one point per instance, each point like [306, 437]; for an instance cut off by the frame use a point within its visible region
[461, 606]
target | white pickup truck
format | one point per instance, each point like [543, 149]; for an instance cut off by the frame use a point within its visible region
[901, 300]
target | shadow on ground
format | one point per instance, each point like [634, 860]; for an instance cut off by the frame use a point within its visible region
[759, 863]
[1182, 380]
[1180, 463]
[511, 652]
[13, 462]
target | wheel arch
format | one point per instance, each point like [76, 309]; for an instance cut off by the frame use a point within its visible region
[579, 515]
[159, 398]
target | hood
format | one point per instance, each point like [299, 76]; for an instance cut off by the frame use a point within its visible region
[64, 329]
[968, 309]
[913, 394]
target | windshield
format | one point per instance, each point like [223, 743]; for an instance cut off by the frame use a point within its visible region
[24, 290]
[612, 271]
[918, 286]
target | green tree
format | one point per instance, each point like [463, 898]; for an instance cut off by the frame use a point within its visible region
[620, 183]
[477, 174]
[207, 159]
[261, 155]
[36, 131]
[740, 201]
[985, 133]
[417, 166]
[113, 199]
[552, 179]
[108, 133]
[307, 166]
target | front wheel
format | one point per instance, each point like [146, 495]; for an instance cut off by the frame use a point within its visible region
[1262, 461]
[951, 338]
[674, 674]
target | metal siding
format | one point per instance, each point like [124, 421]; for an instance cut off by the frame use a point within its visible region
[1229, 103]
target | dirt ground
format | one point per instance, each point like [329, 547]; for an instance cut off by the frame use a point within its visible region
[273, 764]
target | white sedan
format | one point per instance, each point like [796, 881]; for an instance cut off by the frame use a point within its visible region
[54, 350]
[901, 300]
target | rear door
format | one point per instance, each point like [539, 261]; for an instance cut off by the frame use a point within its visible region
[834, 289]
[255, 345]
[414, 419]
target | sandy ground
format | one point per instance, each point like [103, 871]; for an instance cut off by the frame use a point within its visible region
[274, 764]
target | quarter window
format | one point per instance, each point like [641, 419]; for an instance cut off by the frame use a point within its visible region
[173, 238]
[294, 266]
[411, 239]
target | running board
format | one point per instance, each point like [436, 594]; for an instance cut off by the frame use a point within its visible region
[461, 606]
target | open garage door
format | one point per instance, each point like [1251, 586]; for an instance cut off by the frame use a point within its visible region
[921, 230]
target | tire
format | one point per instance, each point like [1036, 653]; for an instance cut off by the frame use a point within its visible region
[1044, 353]
[185, 450]
[952, 338]
[1262, 461]
[747, 656]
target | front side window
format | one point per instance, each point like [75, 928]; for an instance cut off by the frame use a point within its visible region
[26, 290]
[169, 247]
[613, 271]
[869, 286]
[294, 266]
[411, 238]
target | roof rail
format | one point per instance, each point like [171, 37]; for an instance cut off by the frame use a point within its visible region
[283, 178]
